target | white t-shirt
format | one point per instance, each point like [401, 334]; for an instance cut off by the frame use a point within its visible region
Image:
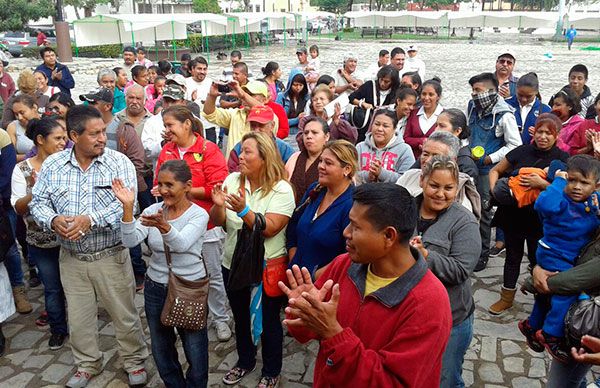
[202, 89]
[414, 64]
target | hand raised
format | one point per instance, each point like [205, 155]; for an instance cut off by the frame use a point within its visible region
[124, 194]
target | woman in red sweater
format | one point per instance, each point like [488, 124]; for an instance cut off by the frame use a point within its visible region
[208, 167]
[423, 121]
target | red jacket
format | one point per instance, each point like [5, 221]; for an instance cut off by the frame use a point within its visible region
[7, 86]
[284, 127]
[206, 162]
[395, 337]
[413, 135]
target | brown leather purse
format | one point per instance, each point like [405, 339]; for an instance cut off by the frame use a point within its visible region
[186, 305]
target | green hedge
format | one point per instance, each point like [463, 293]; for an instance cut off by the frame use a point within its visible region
[103, 51]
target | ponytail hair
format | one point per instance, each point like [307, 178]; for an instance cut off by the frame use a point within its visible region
[182, 114]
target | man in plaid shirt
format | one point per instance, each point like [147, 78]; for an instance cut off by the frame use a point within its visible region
[73, 197]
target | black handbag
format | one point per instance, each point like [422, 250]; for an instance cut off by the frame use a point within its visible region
[248, 256]
[7, 238]
[583, 318]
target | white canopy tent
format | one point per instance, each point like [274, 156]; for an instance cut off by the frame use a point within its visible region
[397, 18]
[584, 21]
[131, 28]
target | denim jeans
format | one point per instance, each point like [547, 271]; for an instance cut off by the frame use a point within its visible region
[12, 262]
[571, 374]
[163, 338]
[452, 361]
[54, 296]
[272, 335]
[137, 261]
[483, 188]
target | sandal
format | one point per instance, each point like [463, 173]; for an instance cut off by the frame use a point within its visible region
[235, 375]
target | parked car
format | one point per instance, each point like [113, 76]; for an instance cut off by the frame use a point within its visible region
[16, 41]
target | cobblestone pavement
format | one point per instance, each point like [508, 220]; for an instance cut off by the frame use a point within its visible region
[498, 356]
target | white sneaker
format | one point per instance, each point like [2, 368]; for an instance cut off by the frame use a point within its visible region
[223, 331]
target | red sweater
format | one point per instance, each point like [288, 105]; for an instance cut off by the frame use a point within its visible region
[284, 127]
[395, 337]
[206, 162]
[578, 140]
[413, 135]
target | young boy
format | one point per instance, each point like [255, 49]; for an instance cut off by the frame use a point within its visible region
[569, 212]
[578, 77]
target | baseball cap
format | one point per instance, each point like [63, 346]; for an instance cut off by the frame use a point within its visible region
[507, 53]
[412, 47]
[175, 79]
[256, 87]
[260, 114]
[101, 94]
[174, 91]
[301, 50]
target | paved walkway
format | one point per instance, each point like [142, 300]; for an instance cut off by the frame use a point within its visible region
[498, 356]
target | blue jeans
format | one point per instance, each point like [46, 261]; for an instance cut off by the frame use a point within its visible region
[12, 261]
[571, 374]
[164, 352]
[452, 360]
[499, 235]
[54, 296]
[138, 263]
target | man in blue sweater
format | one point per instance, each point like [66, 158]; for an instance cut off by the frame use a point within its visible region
[494, 131]
[58, 74]
[570, 216]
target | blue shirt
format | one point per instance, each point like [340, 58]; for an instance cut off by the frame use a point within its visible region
[568, 226]
[63, 188]
[319, 240]
[65, 84]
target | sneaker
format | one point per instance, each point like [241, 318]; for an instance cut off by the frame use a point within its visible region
[79, 380]
[21, 302]
[42, 320]
[481, 264]
[139, 283]
[268, 382]
[137, 378]
[495, 251]
[223, 331]
[235, 375]
[529, 333]
[555, 346]
[56, 341]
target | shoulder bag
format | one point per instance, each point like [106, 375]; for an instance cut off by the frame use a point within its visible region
[361, 118]
[186, 305]
[583, 318]
[248, 256]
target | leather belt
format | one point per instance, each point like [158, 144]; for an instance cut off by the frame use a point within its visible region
[90, 257]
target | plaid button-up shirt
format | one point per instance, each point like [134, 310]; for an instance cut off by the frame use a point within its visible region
[63, 188]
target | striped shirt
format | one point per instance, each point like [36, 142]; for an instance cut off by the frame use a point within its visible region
[63, 188]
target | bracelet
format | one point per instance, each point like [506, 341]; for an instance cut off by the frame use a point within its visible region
[244, 211]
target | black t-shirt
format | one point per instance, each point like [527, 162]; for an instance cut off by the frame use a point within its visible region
[528, 155]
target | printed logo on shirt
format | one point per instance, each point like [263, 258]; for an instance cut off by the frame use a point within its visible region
[388, 160]
[198, 157]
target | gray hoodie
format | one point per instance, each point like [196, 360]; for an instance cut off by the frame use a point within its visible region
[397, 157]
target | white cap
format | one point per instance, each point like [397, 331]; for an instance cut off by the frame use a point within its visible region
[412, 47]
[507, 53]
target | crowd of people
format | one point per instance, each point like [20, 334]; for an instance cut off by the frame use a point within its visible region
[367, 202]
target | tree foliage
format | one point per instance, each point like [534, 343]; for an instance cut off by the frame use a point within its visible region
[87, 5]
[15, 14]
[335, 6]
[210, 6]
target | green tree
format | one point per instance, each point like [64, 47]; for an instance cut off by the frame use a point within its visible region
[335, 6]
[15, 14]
[210, 6]
[87, 5]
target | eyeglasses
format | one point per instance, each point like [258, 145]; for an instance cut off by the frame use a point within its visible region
[505, 61]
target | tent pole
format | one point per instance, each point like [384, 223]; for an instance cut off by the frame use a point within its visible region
[155, 44]
[119, 31]
[268, 31]
[174, 43]
[284, 34]
[206, 40]
[132, 35]
[247, 37]
[75, 38]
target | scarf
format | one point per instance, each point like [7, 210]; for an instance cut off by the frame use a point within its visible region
[485, 101]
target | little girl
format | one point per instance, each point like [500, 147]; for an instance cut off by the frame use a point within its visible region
[313, 67]
[154, 92]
